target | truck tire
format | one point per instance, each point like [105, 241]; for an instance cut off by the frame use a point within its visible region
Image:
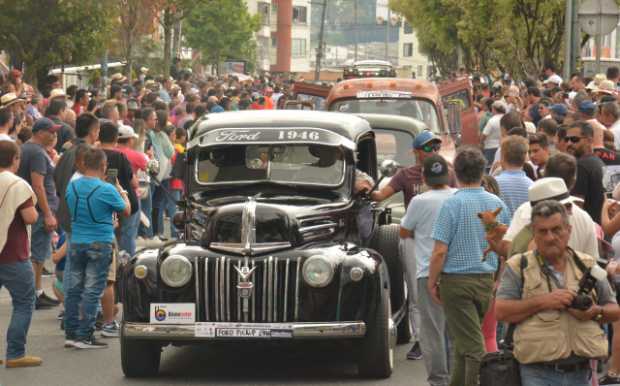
[139, 358]
[376, 358]
[385, 241]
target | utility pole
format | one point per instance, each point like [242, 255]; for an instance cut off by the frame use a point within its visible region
[355, 28]
[319, 50]
[387, 36]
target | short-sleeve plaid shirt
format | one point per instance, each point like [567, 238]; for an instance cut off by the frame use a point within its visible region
[459, 226]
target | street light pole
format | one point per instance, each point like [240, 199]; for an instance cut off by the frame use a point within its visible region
[355, 28]
[319, 50]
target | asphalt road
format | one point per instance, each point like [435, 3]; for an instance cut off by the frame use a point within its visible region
[239, 364]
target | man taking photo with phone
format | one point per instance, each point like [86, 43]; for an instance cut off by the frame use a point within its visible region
[92, 203]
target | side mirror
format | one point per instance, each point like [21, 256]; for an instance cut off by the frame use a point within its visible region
[389, 167]
[178, 220]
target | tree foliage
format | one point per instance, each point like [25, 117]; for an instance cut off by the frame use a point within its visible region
[45, 33]
[518, 36]
[221, 30]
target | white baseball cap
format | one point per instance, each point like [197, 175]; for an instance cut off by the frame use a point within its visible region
[126, 131]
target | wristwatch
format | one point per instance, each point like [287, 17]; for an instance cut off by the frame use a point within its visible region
[599, 316]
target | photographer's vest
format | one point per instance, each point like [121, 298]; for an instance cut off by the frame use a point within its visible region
[551, 335]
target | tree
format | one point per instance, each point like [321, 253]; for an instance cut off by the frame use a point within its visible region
[518, 36]
[221, 30]
[136, 20]
[45, 33]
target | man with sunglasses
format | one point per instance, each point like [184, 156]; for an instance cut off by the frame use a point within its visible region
[410, 181]
[589, 185]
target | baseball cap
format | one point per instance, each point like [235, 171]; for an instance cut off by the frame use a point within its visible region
[126, 131]
[559, 109]
[423, 138]
[45, 124]
[435, 170]
[57, 93]
[587, 107]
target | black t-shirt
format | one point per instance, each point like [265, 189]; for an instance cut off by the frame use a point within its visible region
[589, 185]
[118, 161]
[611, 173]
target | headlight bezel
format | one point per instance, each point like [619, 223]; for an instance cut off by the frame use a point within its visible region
[312, 261]
[165, 274]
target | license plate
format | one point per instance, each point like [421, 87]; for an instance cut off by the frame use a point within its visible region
[243, 330]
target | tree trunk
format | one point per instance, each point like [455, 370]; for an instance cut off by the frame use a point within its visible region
[176, 43]
[168, 24]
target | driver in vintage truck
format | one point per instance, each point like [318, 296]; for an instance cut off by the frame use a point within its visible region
[272, 247]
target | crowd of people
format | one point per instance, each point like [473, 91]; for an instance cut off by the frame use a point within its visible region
[501, 239]
[502, 235]
[85, 174]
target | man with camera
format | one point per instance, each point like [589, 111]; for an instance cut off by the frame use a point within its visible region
[558, 299]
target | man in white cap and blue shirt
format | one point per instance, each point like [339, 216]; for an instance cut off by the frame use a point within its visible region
[410, 181]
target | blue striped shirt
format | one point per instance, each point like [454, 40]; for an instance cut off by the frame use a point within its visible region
[459, 227]
[513, 187]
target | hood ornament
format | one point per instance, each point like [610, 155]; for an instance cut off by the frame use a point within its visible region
[245, 287]
[248, 226]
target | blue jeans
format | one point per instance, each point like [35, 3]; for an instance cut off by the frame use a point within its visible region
[146, 205]
[536, 375]
[129, 233]
[489, 154]
[85, 279]
[18, 278]
[167, 203]
[40, 241]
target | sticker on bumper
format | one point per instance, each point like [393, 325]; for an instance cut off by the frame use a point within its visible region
[173, 313]
[243, 330]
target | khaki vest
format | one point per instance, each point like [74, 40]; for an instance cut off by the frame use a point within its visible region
[552, 335]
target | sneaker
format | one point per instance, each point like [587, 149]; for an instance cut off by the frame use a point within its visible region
[90, 343]
[415, 354]
[25, 361]
[110, 330]
[45, 272]
[43, 303]
[69, 342]
[61, 315]
[99, 321]
[609, 380]
[49, 299]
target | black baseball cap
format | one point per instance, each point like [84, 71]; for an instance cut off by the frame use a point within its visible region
[436, 170]
[45, 124]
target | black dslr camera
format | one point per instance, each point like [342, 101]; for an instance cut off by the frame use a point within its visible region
[583, 301]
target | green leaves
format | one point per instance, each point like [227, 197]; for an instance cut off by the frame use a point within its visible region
[221, 30]
[46, 33]
[517, 36]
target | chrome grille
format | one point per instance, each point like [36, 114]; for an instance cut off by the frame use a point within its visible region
[274, 296]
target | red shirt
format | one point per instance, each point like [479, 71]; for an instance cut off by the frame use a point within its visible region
[137, 160]
[17, 247]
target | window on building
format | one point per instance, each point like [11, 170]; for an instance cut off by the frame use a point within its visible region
[274, 40]
[407, 50]
[420, 71]
[298, 48]
[264, 10]
[300, 14]
[407, 28]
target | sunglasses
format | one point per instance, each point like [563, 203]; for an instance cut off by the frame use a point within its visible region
[574, 139]
[428, 148]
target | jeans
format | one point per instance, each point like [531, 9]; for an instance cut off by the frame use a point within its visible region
[146, 205]
[18, 278]
[433, 337]
[129, 233]
[466, 299]
[536, 375]
[85, 278]
[40, 241]
[166, 203]
[408, 262]
[489, 154]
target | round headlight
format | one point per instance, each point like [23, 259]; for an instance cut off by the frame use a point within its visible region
[318, 271]
[176, 271]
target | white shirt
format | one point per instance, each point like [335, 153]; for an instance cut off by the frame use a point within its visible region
[582, 236]
[493, 132]
[5, 137]
[615, 128]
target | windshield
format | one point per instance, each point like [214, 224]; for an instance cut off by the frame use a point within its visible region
[305, 164]
[415, 108]
[394, 145]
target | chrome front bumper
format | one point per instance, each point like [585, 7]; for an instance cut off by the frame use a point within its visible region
[214, 331]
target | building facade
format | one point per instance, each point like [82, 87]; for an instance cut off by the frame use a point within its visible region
[410, 60]
[283, 40]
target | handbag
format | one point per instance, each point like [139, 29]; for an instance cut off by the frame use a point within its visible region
[502, 368]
